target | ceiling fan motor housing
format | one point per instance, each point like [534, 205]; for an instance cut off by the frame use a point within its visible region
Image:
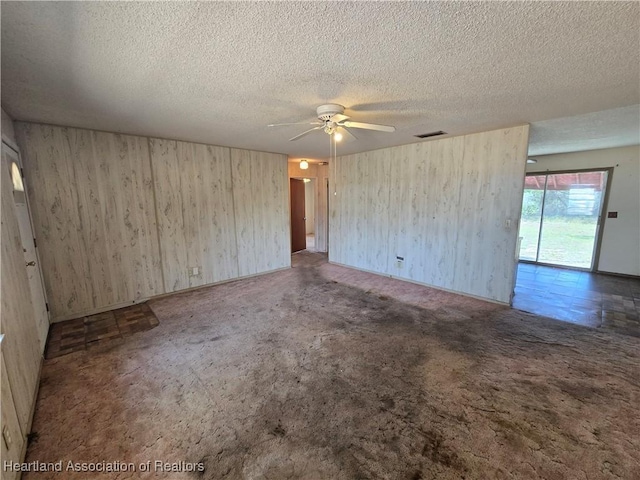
[325, 112]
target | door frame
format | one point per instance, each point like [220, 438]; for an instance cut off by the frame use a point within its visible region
[604, 202]
[317, 188]
[18, 159]
[326, 191]
[291, 252]
[321, 198]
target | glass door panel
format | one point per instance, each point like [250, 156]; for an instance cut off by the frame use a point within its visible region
[531, 216]
[570, 220]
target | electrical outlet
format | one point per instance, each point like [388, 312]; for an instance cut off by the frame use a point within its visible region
[399, 261]
[194, 271]
[6, 435]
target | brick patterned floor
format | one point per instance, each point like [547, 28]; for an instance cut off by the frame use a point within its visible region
[87, 332]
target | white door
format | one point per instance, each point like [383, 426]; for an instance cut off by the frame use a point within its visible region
[11, 160]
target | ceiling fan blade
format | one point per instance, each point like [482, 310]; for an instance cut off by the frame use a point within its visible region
[297, 123]
[347, 133]
[304, 133]
[338, 117]
[368, 126]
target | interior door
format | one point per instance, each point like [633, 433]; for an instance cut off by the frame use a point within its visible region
[298, 230]
[11, 160]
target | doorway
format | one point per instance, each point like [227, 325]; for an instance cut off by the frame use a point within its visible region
[298, 223]
[303, 214]
[309, 209]
[561, 218]
[11, 160]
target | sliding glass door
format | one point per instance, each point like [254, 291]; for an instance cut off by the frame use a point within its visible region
[534, 189]
[561, 217]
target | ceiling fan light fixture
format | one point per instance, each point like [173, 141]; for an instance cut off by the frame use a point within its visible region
[338, 136]
[331, 119]
[304, 164]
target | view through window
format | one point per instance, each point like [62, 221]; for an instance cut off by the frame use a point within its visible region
[560, 217]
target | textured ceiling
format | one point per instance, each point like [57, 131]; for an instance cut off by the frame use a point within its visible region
[618, 127]
[220, 72]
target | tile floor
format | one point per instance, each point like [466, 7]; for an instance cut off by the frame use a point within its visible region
[87, 332]
[590, 299]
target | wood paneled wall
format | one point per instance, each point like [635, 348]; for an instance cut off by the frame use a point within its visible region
[360, 212]
[261, 205]
[449, 207]
[322, 212]
[13, 452]
[92, 204]
[20, 347]
[195, 213]
[122, 218]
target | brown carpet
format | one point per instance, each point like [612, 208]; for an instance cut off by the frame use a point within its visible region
[322, 372]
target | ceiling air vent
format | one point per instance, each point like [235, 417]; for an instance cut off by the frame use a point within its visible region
[431, 134]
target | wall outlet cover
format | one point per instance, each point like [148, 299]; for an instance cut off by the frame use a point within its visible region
[6, 436]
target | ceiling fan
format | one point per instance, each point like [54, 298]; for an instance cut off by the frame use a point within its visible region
[332, 120]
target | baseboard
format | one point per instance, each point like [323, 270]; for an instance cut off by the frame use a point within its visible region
[615, 274]
[221, 282]
[95, 311]
[579, 269]
[422, 284]
[108, 308]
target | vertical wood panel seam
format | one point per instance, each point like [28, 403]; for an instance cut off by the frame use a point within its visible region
[182, 168]
[88, 285]
[157, 217]
[233, 207]
[388, 261]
